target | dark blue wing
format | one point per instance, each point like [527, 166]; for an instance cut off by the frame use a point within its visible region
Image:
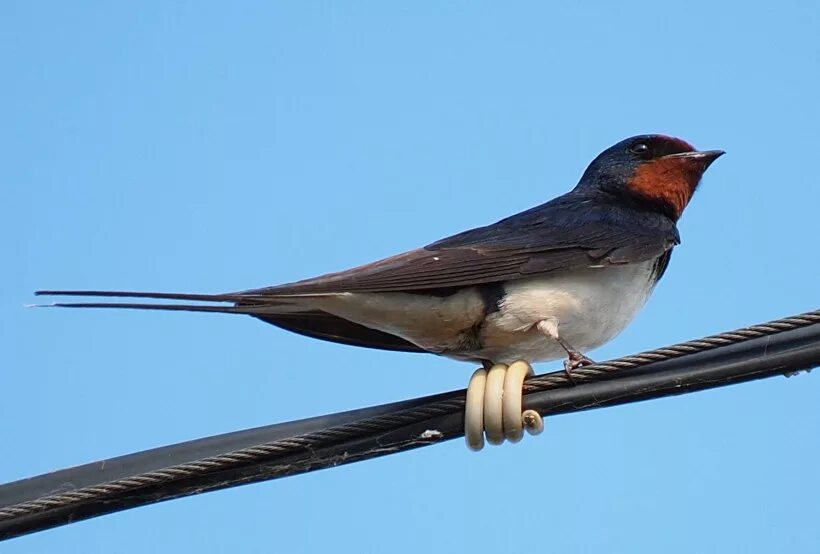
[577, 230]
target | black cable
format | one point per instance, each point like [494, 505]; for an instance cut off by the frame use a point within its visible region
[783, 346]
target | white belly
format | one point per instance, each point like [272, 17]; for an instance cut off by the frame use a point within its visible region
[591, 306]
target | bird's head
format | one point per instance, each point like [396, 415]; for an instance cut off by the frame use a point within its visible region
[655, 171]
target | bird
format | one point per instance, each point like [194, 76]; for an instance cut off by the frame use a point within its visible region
[554, 281]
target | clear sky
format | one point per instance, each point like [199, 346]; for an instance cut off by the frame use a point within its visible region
[208, 147]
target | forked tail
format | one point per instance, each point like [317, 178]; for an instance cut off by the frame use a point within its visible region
[248, 304]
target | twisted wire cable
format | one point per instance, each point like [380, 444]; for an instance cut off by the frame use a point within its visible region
[280, 457]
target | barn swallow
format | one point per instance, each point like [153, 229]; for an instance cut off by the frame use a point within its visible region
[551, 282]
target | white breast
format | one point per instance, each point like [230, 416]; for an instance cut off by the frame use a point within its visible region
[592, 306]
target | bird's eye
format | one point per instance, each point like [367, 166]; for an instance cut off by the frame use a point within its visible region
[641, 149]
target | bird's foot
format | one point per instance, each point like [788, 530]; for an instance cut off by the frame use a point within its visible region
[493, 406]
[575, 360]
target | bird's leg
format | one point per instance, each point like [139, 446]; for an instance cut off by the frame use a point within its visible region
[493, 407]
[575, 358]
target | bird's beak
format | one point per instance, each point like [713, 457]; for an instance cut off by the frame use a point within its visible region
[699, 159]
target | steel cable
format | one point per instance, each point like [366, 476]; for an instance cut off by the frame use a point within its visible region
[299, 453]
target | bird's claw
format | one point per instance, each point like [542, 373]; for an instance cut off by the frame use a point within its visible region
[575, 360]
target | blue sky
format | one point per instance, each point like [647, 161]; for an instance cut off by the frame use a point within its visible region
[196, 146]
